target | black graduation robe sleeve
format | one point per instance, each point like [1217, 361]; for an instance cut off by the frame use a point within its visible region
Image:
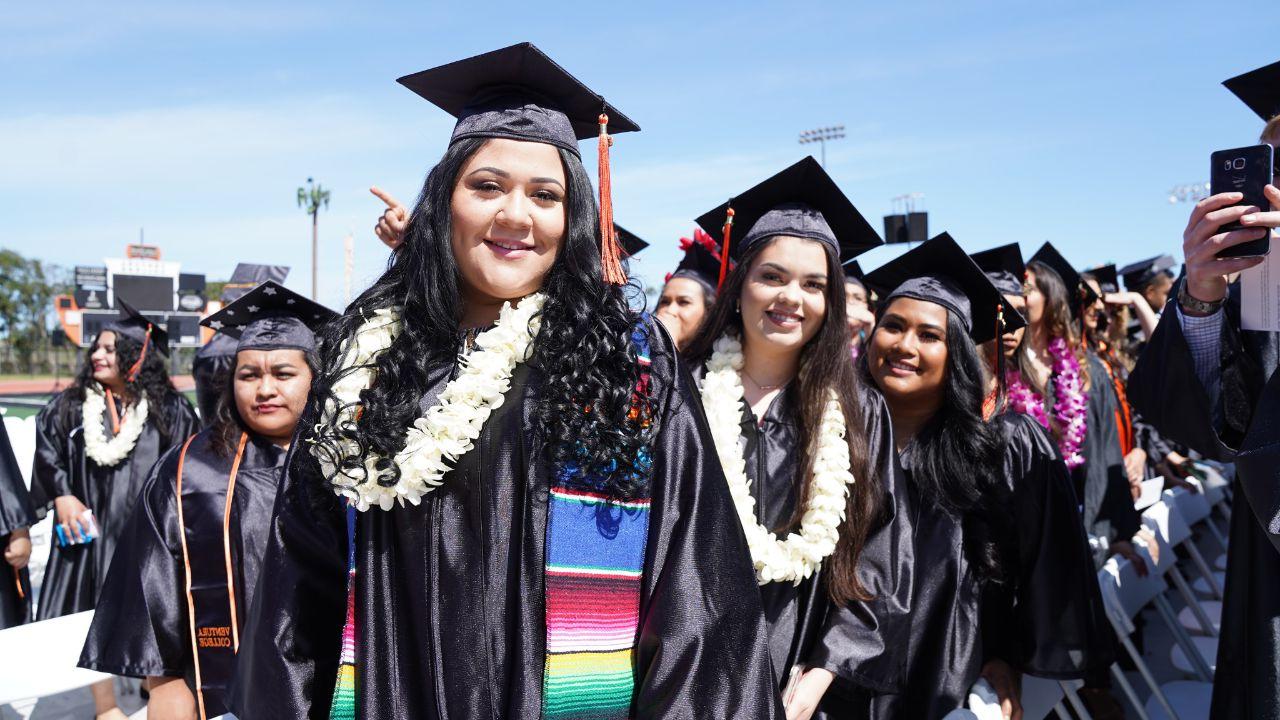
[1059, 627]
[50, 474]
[865, 643]
[140, 623]
[16, 510]
[1164, 386]
[702, 649]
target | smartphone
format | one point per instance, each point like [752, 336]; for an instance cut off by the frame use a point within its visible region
[1244, 170]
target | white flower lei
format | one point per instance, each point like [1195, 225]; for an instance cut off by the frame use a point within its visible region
[800, 554]
[447, 430]
[107, 453]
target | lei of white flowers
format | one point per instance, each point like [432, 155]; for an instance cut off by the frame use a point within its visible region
[800, 554]
[444, 432]
[104, 452]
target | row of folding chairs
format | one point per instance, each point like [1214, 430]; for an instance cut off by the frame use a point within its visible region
[1172, 520]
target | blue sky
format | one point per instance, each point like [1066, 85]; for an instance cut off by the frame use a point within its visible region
[1017, 121]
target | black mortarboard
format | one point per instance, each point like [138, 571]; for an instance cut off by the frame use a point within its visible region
[1106, 276]
[136, 326]
[1079, 295]
[1140, 274]
[938, 271]
[631, 243]
[271, 317]
[247, 276]
[801, 201]
[1259, 89]
[700, 262]
[518, 93]
[853, 271]
[1004, 267]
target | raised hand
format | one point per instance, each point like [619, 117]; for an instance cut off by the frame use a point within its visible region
[1207, 274]
[391, 225]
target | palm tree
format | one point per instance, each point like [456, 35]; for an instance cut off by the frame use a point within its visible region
[312, 197]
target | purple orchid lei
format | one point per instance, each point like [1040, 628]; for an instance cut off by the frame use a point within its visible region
[1070, 405]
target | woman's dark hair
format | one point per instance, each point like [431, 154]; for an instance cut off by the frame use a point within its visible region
[152, 381]
[824, 367]
[583, 352]
[227, 422]
[957, 458]
[1056, 319]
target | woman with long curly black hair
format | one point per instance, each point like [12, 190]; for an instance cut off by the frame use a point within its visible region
[533, 512]
[95, 443]
[808, 456]
[1003, 578]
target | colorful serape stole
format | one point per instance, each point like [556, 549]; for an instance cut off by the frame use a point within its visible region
[343, 706]
[593, 578]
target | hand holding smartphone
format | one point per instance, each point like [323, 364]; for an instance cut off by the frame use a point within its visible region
[1246, 170]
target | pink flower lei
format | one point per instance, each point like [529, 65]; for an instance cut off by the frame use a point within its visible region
[1070, 404]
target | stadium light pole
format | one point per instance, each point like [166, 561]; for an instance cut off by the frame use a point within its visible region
[821, 136]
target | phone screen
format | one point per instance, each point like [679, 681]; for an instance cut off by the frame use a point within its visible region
[1244, 170]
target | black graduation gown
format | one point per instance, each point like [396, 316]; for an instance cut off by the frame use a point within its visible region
[1165, 387]
[211, 369]
[450, 606]
[16, 512]
[1058, 627]
[74, 574]
[141, 625]
[1046, 619]
[860, 643]
[1101, 481]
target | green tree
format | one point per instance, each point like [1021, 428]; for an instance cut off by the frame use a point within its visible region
[313, 197]
[27, 289]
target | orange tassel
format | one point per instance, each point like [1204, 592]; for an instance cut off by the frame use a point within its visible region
[137, 365]
[115, 414]
[724, 248]
[610, 249]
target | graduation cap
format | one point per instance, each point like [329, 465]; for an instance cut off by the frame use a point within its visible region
[1259, 89]
[853, 271]
[701, 259]
[519, 93]
[271, 317]
[801, 201]
[1140, 274]
[631, 243]
[1079, 295]
[247, 276]
[141, 329]
[938, 271]
[1004, 267]
[1106, 276]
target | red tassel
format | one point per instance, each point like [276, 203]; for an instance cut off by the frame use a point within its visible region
[137, 365]
[724, 248]
[1000, 349]
[610, 249]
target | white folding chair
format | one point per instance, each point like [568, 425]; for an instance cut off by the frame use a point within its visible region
[49, 650]
[1167, 524]
[1196, 511]
[1124, 594]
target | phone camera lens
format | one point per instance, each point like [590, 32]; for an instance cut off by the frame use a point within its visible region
[1239, 163]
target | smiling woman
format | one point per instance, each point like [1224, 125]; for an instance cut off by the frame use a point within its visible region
[505, 499]
[809, 456]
